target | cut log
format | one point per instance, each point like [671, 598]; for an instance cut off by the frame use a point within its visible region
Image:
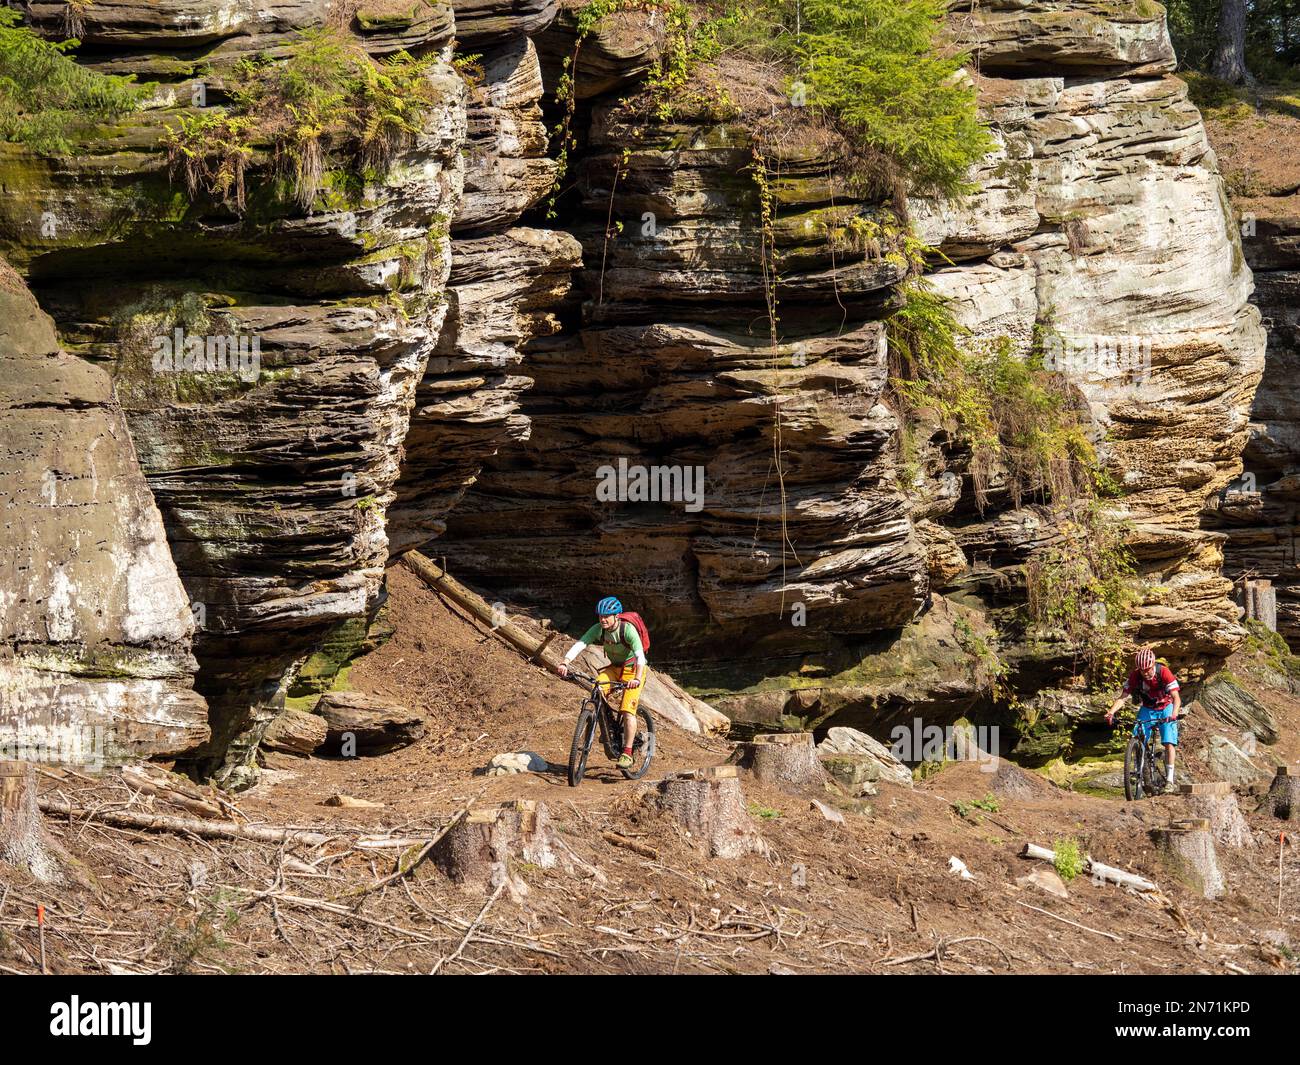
[785, 760]
[296, 732]
[184, 825]
[1227, 825]
[171, 788]
[358, 723]
[1283, 800]
[711, 810]
[1216, 787]
[24, 843]
[484, 849]
[1187, 850]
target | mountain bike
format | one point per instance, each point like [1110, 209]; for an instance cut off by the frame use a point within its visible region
[597, 714]
[1144, 761]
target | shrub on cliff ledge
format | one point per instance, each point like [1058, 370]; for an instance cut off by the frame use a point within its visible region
[328, 97]
[874, 64]
[44, 96]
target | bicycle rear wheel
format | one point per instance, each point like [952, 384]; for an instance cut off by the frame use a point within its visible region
[583, 733]
[1134, 755]
[643, 746]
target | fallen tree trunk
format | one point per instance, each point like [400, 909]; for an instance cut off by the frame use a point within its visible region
[1094, 869]
[661, 696]
[159, 783]
[217, 830]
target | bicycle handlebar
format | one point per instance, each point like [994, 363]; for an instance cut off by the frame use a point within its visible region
[613, 685]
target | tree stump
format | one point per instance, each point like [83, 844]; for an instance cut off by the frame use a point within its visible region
[1283, 799]
[786, 760]
[710, 806]
[24, 843]
[1187, 850]
[485, 848]
[1227, 825]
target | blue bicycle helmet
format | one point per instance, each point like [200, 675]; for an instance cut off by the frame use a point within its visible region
[609, 605]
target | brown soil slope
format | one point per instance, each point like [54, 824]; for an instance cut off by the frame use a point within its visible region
[863, 896]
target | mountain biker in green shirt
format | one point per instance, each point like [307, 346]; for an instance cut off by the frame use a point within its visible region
[621, 643]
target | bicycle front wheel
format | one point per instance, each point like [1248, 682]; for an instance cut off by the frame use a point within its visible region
[1133, 769]
[1155, 766]
[584, 732]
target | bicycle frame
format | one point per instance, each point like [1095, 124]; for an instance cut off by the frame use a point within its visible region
[611, 734]
[1143, 729]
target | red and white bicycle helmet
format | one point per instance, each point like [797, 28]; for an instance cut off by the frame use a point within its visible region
[1144, 659]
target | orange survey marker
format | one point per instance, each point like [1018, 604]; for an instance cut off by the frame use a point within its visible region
[40, 926]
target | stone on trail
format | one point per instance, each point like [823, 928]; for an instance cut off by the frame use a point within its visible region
[518, 762]
[1045, 879]
[1229, 762]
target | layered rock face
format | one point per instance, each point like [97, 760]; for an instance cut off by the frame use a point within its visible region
[272, 469]
[507, 285]
[1261, 511]
[780, 589]
[95, 627]
[426, 373]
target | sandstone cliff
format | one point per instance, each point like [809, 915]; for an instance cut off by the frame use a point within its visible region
[444, 363]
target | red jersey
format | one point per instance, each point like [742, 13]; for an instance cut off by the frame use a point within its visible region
[1155, 692]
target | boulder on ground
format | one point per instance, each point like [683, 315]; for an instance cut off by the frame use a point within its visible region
[375, 724]
[1229, 762]
[855, 773]
[295, 732]
[1233, 705]
[851, 741]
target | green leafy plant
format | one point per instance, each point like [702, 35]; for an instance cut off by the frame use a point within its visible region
[765, 812]
[45, 97]
[329, 98]
[1068, 861]
[989, 804]
[875, 65]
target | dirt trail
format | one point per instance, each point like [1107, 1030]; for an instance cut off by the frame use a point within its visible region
[863, 896]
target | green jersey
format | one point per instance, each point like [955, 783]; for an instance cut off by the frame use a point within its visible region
[621, 644]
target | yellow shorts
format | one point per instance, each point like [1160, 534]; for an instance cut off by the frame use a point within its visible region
[623, 673]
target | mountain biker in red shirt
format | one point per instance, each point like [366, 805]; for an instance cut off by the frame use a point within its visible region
[1157, 688]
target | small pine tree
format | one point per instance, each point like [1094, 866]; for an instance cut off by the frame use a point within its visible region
[45, 96]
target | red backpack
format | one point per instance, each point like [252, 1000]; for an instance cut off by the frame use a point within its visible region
[637, 623]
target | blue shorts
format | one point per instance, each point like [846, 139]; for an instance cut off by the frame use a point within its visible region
[1168, 731]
